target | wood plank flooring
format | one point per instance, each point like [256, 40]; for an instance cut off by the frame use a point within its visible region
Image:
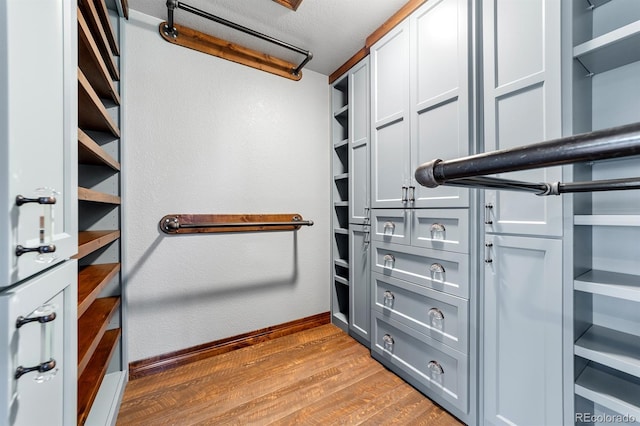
[319, 376]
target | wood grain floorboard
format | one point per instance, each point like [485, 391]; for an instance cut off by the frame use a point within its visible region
[319, 376]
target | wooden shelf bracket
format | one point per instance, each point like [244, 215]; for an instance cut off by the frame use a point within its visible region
[192, 39]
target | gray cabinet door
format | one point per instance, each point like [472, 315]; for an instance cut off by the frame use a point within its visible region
[522, 331]
[359, 113]
[439, 94]
[390, 177]
[38, 134]
[522, 105]
[48, 397]
[359, 277]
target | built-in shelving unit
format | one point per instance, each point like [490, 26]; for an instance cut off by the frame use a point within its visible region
[340, 195]
[99, 289]
[606, 225]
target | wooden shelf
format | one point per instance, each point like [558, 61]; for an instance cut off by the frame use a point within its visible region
[103, 14]
[90, 241]
[612, 284]
[85, 194]
[341, 204]
[92, 326]
[607, 220]
[92, 115]
[612, 348]
[91, 280]
[92, 64]
[612, 50]
[90, 380]
[610, 391]
[341, 231]
[90, 12]
[89, 152]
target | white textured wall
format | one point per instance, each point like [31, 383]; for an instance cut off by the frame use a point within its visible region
[204, 135]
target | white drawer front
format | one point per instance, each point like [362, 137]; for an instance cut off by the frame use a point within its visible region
[439, 270]
[433, 313]
[391, 226]
[440, 371]
[441, 229]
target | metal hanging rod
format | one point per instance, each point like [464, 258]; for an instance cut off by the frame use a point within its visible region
[616, 142]
[173, 32]
[191, 223]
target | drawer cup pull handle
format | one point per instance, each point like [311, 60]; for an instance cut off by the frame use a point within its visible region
[389, 225]
[389, 260]
[388, 298]
[437, 268]
[436, 313]
[435, 367]
[388, 341]
[438, 227]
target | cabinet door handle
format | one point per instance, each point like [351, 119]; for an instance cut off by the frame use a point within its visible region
[435, 367]
[436, 267]
[388, 298]
[20, 250]
[412, 194]
[487, 214]
[487, 252]
[436, 314]
[20, 200]
[40, 368]
[404, 193]
[20, 321]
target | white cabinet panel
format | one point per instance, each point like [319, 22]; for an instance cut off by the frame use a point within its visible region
[49, 397]
[359, 287]
[439, 95]
[440, 133]
[520, 33]
[390, 118]
[38, 134]
[522, 105]
[359, 161]
[522, 331]
[437, 33]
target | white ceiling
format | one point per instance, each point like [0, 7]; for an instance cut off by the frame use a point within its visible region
[333, 30]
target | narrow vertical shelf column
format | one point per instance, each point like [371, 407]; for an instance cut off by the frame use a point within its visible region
[605, 87]
[99, 285]
[340, 197]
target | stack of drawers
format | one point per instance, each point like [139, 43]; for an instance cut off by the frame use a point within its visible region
[420, 300]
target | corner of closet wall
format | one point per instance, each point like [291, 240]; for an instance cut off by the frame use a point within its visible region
[604, 74]
[102, 369]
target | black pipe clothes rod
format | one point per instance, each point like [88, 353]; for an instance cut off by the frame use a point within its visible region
[616, 142]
